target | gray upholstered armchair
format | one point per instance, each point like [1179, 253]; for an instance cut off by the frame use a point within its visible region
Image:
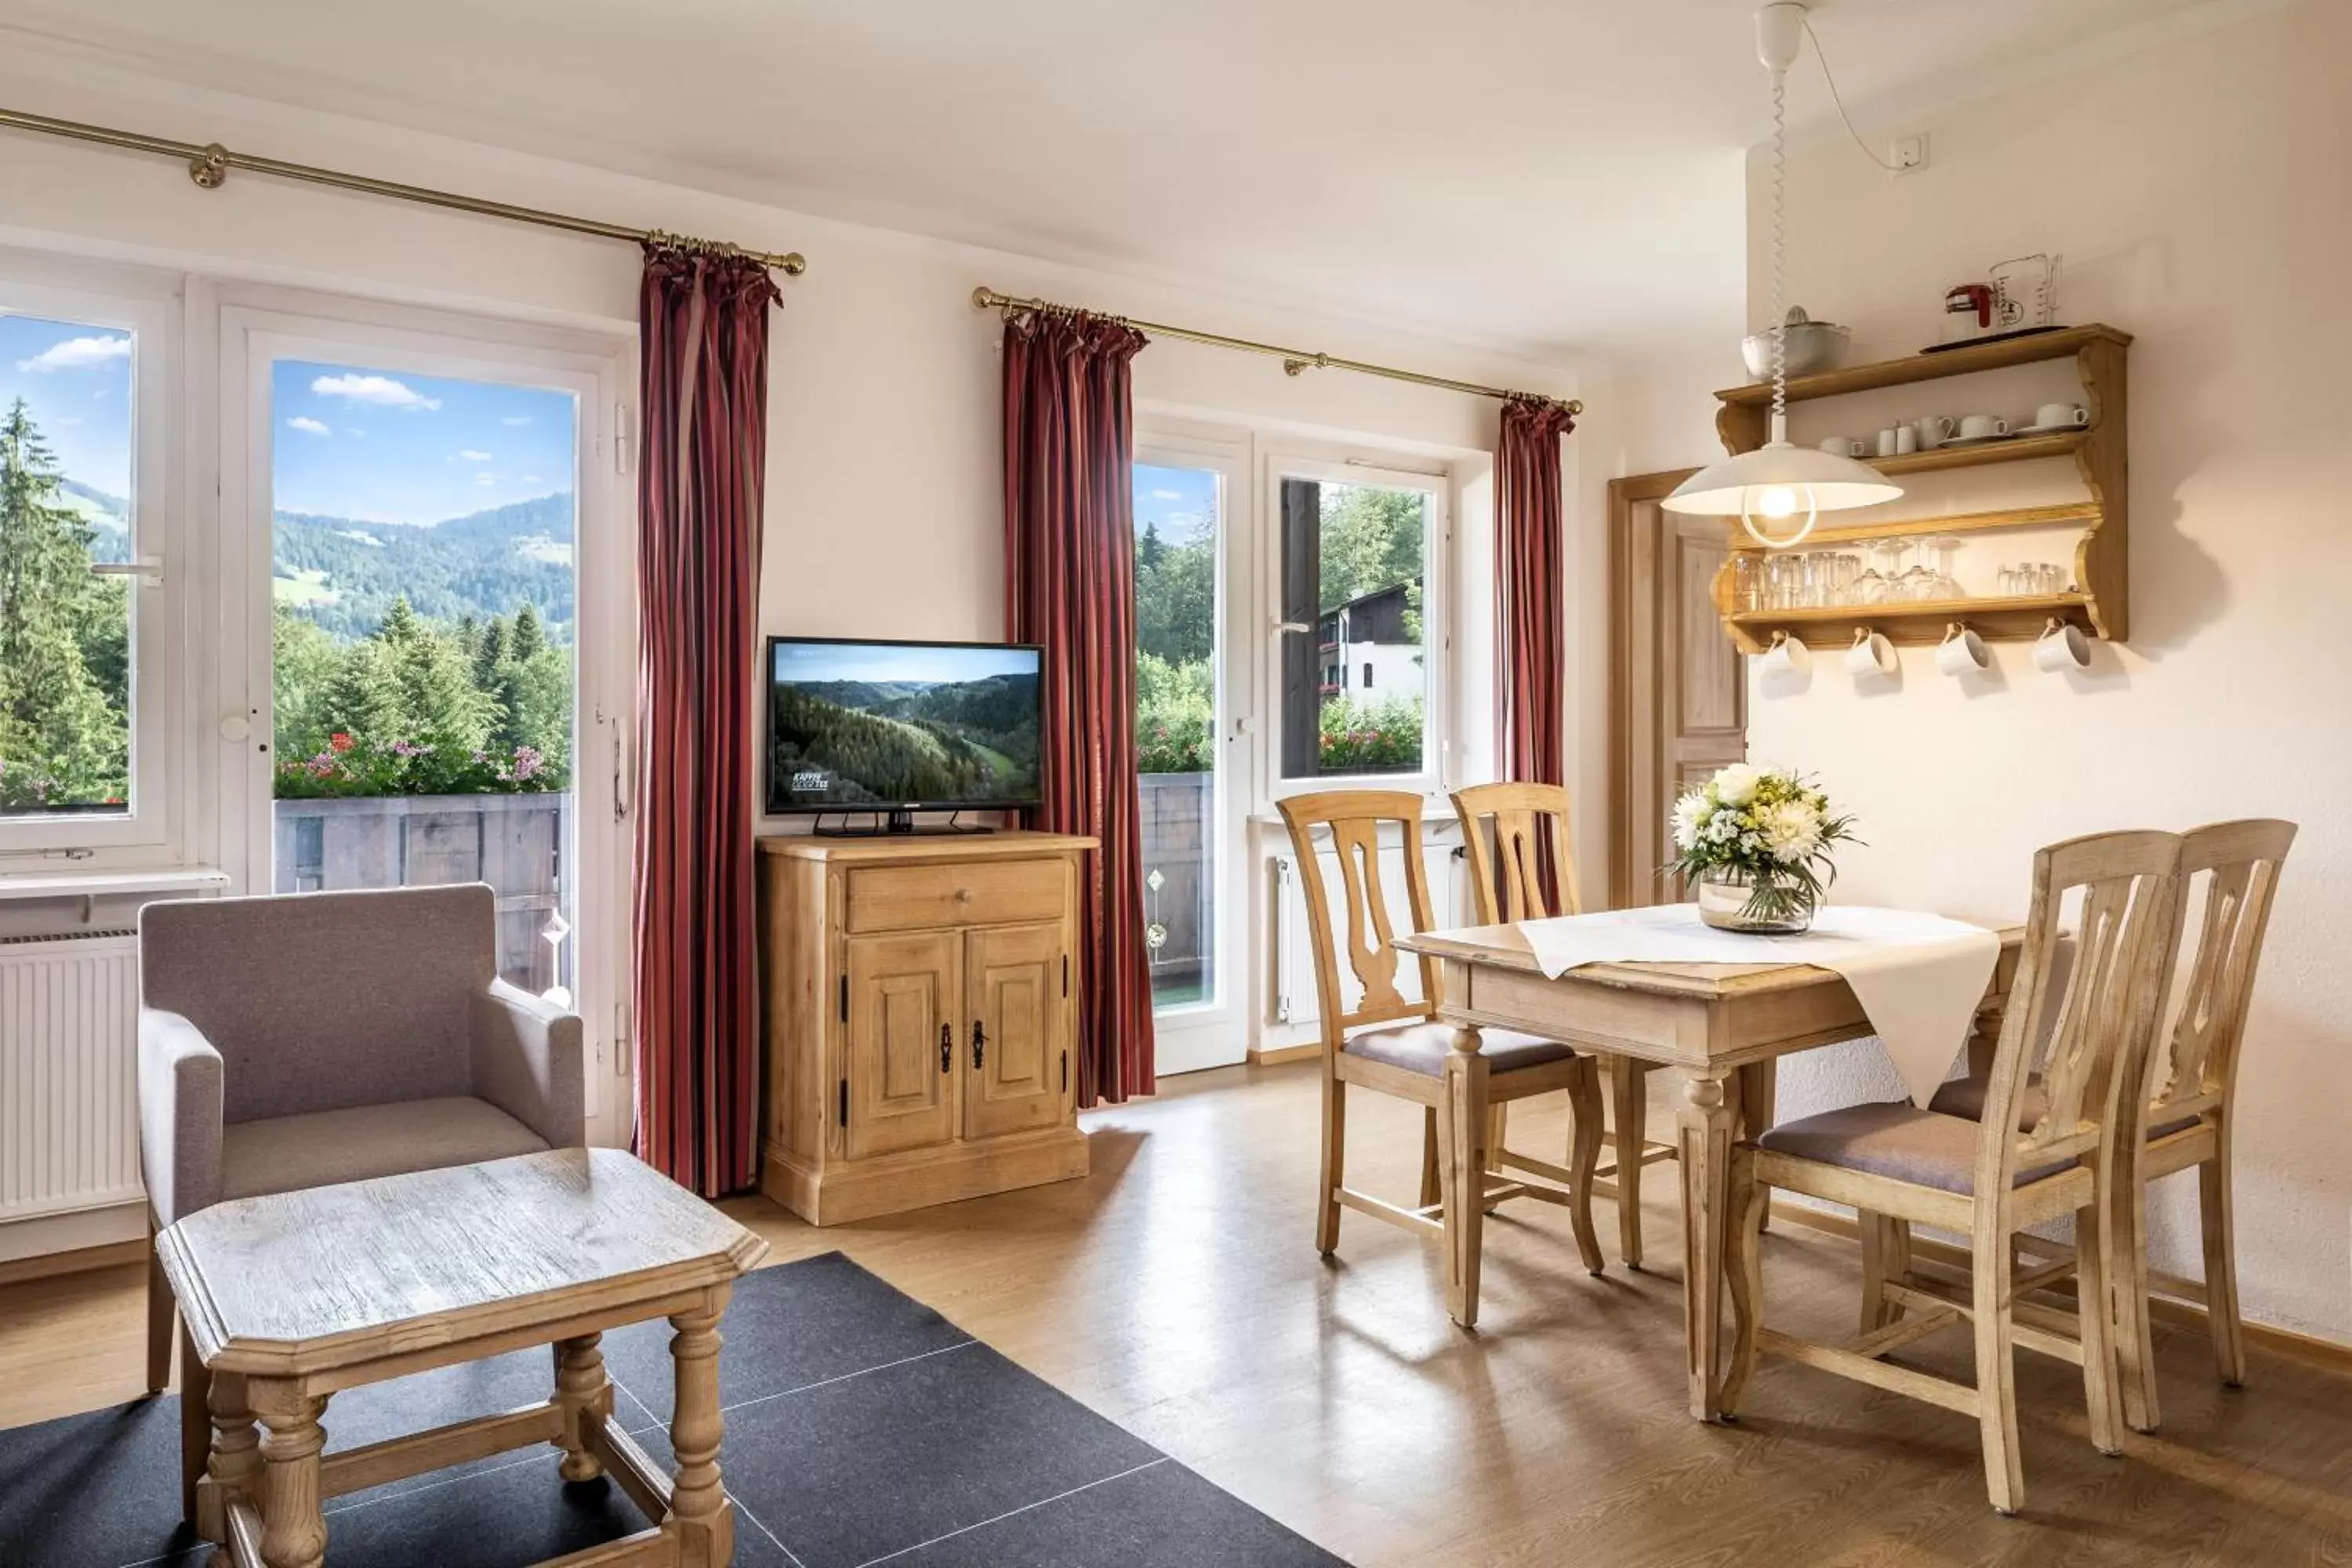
[294, 1042]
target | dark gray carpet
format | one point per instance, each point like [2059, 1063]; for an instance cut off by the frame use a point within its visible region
[862, 1427]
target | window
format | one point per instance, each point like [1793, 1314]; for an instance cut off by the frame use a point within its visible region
[77, 738]
[1178, 514]
[1355, 680]
[423, 622]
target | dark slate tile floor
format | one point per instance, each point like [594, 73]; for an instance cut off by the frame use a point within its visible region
[862, 1428]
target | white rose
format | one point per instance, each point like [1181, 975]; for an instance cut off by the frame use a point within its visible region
[1737, 783]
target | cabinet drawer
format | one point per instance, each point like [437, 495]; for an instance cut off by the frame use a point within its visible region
[921, 898]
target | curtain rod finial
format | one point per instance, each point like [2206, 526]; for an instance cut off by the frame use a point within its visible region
[794, 264]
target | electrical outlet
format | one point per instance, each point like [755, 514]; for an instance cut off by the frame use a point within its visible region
[1909, 154]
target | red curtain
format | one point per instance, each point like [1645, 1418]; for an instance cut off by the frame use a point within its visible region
[704, 325]
[1531, 581]
[1069, 585]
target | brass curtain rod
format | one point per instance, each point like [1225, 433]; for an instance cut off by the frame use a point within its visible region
[208, 166]
[1294, 362]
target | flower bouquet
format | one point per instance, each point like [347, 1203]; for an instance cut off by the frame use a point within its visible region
[1754, 843]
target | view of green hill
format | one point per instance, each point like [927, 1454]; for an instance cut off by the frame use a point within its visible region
[850, 743]
[343, 575]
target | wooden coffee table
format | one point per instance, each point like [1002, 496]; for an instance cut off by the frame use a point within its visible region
[291, 1299]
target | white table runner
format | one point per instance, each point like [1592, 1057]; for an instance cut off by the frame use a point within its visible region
[1919, 977]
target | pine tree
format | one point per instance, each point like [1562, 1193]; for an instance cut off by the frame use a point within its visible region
[527, 637]
[61, 740]
[490, 652]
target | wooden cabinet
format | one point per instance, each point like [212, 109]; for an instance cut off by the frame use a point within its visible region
[919, 1012]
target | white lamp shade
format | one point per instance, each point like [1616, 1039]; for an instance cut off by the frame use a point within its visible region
[1733, 486]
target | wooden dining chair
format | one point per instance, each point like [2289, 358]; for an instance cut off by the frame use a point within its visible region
[2184, 1122]
[1510, 831]
[1394, 1043]
[1986, 1179]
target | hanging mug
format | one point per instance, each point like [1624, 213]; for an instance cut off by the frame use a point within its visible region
[1871, 654]
[2062, 647]
[1961, 652]
[1787, 655]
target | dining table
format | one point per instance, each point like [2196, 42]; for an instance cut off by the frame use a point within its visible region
[1722, 1028]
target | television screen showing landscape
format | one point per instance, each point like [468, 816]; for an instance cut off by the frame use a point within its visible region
[873, 726]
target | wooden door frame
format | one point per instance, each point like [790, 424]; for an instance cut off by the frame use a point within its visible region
[1625, 876]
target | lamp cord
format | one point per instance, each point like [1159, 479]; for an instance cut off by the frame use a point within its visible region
[1778, 326]
[1834, 99]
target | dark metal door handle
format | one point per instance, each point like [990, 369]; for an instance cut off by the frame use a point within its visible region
[979, 1044]
[947, 1047]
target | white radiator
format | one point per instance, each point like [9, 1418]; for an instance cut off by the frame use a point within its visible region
[69, 1073]
[1294, 1000]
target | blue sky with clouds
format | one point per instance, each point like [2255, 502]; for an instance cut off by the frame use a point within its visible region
[76, 380]
[869, 661]
[1182, 503]
[389, 446]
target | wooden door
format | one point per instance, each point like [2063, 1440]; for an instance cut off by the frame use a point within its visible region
[1016, 1061]
[905, 1024]
[1678, 689]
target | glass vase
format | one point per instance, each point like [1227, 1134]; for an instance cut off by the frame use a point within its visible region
[1723, 899]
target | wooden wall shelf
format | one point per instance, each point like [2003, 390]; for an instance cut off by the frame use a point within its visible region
[2100, 452]
[1914, 624]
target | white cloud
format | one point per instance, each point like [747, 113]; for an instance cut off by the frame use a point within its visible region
[309, 426]
[470, 455]
[77, 353]
[516, 420]
[1167, 495]
[380, 390]
[533, 479]
[485, 478]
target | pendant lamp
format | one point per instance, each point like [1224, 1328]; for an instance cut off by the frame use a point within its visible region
[1779, 483]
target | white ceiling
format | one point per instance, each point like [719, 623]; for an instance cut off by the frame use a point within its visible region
[1543, 175]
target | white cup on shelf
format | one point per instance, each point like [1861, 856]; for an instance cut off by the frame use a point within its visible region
[2060, 416]
[1978, 426]
[1935, 430]
[1844, 447]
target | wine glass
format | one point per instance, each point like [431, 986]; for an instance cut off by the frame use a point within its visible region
[1869, 587]
[1945, 584]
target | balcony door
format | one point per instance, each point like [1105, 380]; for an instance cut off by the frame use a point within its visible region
[1191, 750]
[435, 595]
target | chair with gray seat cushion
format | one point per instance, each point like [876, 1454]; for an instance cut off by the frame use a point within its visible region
[1992, 1179]
[1384, 1039]
[2232, 868]
[294, 1042]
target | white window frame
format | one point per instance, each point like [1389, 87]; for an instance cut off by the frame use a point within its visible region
[1436, 617]
[146, 304]
[259, 327]
[1212, 1032]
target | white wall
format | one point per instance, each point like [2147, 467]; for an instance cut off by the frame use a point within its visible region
[2199, 193]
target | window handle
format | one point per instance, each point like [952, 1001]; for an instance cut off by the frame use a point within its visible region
[148, 569]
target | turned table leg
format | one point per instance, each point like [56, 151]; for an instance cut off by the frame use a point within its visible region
[293, 1529]
[1703, 1127]
[581, 1386]
[699, 1512]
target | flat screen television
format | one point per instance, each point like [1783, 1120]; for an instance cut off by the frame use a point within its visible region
[894, 728]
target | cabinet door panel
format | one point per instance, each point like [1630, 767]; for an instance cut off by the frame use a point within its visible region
[903, 1008]
[1013, 1082]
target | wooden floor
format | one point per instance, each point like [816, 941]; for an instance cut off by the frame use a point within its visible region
[1177, 1292]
